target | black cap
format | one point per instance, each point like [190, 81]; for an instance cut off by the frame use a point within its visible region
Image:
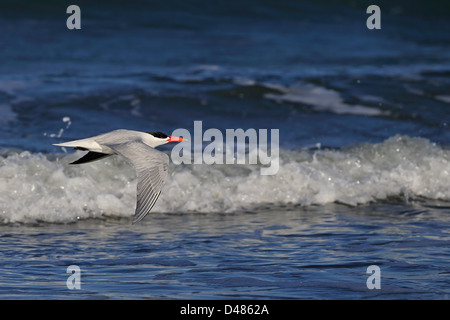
[158, 134]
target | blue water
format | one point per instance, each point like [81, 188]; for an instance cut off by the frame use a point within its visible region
[364, 136]
[320, 253]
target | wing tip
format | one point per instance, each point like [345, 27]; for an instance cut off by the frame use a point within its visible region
[138, 219]
[139, 214]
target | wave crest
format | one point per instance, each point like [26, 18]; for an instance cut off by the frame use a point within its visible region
[38, 187]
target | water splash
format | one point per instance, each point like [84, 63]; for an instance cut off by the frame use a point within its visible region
[36, 187]
[58, 135]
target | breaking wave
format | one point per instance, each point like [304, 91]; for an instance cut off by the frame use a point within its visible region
[39, 187]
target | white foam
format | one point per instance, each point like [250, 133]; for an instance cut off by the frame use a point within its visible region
[443, 98]
[33, 188]
[321, 99]
[36, 188]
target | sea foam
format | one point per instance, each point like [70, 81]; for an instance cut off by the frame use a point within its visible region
[37, 187]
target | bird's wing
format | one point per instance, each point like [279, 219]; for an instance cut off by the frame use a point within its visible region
[151, 168]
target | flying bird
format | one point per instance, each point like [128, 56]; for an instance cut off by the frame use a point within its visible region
[138, 148]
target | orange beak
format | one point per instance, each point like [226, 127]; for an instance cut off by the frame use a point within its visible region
[175, 139]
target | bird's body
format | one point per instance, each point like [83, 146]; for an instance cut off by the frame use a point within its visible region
[138, 148]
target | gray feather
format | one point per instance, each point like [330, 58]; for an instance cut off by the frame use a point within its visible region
[151, 168]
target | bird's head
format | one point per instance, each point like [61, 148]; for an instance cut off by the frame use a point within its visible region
[157, 138]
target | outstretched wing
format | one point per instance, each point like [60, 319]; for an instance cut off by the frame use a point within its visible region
[151, 168]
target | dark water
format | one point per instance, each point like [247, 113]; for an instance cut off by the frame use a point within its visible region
[364, 149]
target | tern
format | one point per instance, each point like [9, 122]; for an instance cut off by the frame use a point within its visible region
[138, 148]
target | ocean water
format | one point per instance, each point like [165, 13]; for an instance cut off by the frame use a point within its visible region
[364, 162]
